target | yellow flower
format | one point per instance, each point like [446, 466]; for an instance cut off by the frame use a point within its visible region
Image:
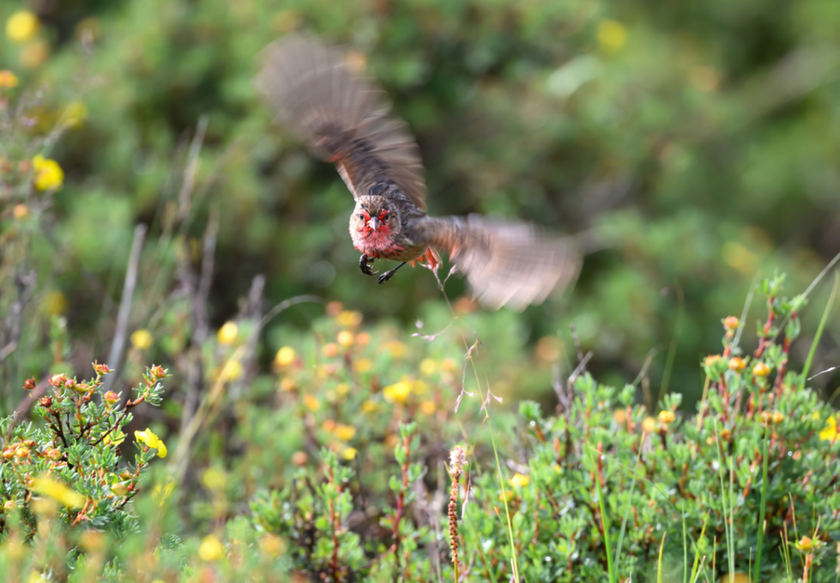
[271, 545]
[47, 486]
[548, 349]
[141, 339]
[74, 114]
[150, 439]
[211, 549]
[428, 407]
[48, 174]
[115, 437]
[395, 348]
[805, 544]
[288, 385]
[35, 53]
[231, 371]
[20, 211]
[349, 318]
[21, 26]
[349, 453]
[612, 35]
[342, 389]
[620, 416]
[345, 338]
[285, 356]
[344, 432]
[649, 425]
[519, 480]
[428, 367]
[667, 417]
[398, 392]
[330, 350]
[214, 479]
[731, 323]
[311, 402]
[227, 333]
[735, 578]
[830, 431]
[8, 79]
[418, 387]
[369, 406]
[363, 365]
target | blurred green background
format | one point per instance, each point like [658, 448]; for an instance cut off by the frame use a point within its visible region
[693, 146]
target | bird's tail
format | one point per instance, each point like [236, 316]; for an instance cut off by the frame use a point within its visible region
[507, 263]
[343, 116]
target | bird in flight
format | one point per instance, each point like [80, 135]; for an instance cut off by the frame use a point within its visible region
[346, 120]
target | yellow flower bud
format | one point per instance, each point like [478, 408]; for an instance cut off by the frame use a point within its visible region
[737, 364]
[667, 417]
[731, 323]
[228, 333]
[761, 370]
[285, 356]
[520, 480]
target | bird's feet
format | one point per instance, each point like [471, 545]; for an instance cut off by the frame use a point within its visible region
[364, 264]
[389, 274]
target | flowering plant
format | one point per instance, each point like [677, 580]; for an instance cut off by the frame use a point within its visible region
[71, 465]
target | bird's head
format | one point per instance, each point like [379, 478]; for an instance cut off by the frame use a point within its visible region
[375, 215]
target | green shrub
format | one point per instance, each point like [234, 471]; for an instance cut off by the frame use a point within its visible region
[73, 456]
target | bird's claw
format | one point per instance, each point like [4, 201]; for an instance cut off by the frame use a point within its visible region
[364, 265]
[386, 276]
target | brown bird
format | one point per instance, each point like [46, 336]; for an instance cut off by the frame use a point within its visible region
[346, 119]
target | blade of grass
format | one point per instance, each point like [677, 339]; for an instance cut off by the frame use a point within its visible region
[731, 541]
[627, 506]
[604, 521]
[726, 522]
[509, 523]
[685, 550]
[761, 517]
[819, 332]
[694, 568]
[672, 349]
[659, 561]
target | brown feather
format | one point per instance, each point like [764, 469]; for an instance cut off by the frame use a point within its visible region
[508, 263]
[345, 118]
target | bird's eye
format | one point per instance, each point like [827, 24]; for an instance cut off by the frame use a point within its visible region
[361, 216]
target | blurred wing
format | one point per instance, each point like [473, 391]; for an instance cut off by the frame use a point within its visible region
[507, 263]
[343, 116]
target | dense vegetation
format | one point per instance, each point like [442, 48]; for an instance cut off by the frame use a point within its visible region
[300, 420]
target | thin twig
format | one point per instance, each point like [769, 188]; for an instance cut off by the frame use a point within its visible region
[118, 344]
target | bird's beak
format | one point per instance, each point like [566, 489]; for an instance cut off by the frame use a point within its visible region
[374, 223]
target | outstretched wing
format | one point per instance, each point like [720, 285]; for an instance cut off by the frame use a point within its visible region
[507, 263]
[344, 117]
